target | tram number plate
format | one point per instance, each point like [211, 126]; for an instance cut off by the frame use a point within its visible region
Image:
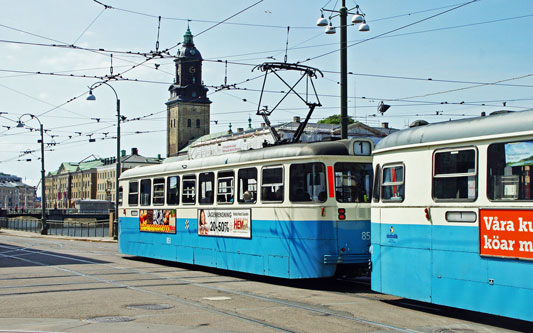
[220, 226]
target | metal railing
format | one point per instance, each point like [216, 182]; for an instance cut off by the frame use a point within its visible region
[61, 228]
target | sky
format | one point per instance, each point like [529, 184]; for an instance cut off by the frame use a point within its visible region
[431, 60]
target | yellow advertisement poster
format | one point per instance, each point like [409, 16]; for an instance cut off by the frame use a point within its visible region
[157, 220]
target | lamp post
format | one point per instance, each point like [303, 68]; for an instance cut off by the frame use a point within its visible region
[91, 97]
[358, 18]
[44, 225]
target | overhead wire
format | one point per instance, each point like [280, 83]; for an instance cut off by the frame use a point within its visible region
[391, 31]
[261, 76]
[106, 79]
[90, 24]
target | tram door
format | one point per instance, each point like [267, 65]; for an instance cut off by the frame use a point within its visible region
[352, 192]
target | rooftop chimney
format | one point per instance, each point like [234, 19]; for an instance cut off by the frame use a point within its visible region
[240, 129]
[134, 151]
[384, 125]
[296, 119]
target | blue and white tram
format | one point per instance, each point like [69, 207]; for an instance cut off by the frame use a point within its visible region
[452, 214]
[291, 211]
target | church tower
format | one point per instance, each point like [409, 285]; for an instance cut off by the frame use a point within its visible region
[188, 106]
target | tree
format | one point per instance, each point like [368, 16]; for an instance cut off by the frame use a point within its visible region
[334, 119]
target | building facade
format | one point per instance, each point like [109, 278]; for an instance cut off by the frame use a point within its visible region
[72, 181]
[14, 194]
[89, 179]
[106, 180]
[188, 108]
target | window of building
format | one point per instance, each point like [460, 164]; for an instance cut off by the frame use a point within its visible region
[392, 183]
[272, 184]
[247, 188]
[225, 186]
[159, 191]
[353, 182]
[509, 171]
[197, 123]
[146, 188]
[189, 123]
[119, 196]
[307, 182]
[454, 174]
[188, 195]
[206, 187]
[133, 196]
[173, 190]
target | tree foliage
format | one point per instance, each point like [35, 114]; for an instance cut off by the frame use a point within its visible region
[334, 119]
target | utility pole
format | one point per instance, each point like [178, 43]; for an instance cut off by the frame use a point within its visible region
[343, 13]
[358, 18]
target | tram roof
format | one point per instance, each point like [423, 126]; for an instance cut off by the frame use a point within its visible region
[339, 148]
[495, 124]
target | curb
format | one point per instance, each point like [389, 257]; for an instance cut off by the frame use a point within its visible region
[26, 234]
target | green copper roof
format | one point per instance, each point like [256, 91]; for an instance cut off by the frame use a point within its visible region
[91, 164]
[187, 38]
[69, 167]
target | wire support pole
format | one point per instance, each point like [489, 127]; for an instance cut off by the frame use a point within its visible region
[343, 13]
[44, 225]
[118, 164]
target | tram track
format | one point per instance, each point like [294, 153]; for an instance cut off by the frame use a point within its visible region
[146, 291]
[315, 309]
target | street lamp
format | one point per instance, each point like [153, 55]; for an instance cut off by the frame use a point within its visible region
[91, 97]
[44, 225]
[358, 18]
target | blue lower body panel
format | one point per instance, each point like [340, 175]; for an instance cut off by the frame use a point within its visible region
[442, 265]
[286, 249]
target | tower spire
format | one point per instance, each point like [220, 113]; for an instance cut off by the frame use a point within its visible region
[187, 38]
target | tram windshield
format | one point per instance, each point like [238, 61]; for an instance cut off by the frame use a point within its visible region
[509, 171]
[353, 182]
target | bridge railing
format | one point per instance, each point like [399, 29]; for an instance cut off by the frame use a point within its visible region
[99, 228]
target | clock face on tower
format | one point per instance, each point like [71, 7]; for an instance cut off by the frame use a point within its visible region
[192, 69]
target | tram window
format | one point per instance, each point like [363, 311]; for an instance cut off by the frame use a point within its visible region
[272, 184]
[188, 195]
[206, 186]
[392, 184]
[133, 194]
[146, 189]
[225, 185]
[509, 171]
[247, 185]
[120, 196]
[377, 177]
[454, 174]
[159, 191]
[307, 182]
[353, 182]
[173, 190]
